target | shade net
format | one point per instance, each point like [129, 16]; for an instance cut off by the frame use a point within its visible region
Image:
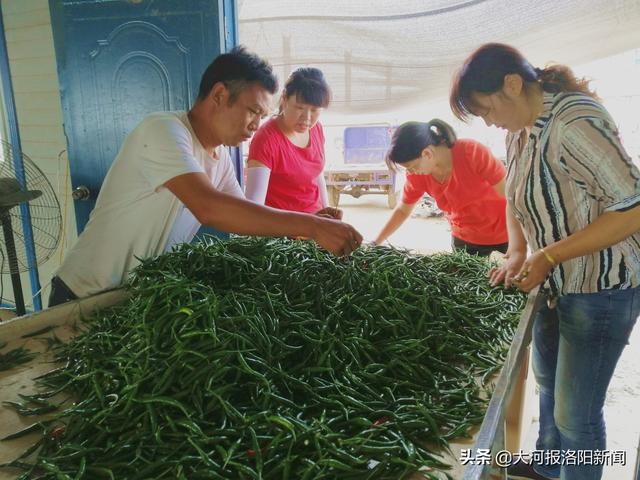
[383, 55]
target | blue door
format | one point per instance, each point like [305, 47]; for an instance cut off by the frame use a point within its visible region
[121, 59]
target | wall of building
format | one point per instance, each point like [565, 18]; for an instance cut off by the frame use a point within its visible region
[36, 89]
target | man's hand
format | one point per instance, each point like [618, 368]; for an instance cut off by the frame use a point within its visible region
[330, 212]
[335, 236]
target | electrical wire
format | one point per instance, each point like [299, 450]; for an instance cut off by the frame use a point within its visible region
[1, 274]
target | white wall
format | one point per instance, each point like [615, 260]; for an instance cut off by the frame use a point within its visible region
[34, 76]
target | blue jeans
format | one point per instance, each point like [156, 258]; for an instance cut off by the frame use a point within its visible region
[576, 347]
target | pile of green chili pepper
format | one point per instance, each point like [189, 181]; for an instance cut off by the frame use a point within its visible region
[14, 357]
[271, 359]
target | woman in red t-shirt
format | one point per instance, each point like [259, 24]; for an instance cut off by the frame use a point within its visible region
[463, 177]
[286, 155]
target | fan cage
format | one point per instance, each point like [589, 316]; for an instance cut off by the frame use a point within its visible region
[46, 219]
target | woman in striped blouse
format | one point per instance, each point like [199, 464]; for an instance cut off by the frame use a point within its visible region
[573, 201]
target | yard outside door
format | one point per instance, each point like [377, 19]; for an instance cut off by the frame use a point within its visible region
[120, 60]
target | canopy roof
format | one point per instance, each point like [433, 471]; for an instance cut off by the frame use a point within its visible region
[380, 55]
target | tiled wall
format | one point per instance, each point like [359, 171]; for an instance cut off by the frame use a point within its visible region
[34, 76]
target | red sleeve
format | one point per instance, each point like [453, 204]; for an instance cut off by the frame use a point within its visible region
[484, 164]
[412, 190]
[262, 147]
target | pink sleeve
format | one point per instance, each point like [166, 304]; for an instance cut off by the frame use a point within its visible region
[484, 164]
[320, 134]
[262, 148]
[411, 193]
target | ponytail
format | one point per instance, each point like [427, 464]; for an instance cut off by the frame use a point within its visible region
[442, 132]
[557, 78]
[411, 138]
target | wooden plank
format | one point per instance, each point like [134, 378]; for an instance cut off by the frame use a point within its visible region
[65, 314]
[27, 66]
[20, 379]
[23, 6]
[52, 135]
[33, 33]
[41, 83]
[49, 115]
[42, 150]
[37, 98]
[31, 49]
[36, 16]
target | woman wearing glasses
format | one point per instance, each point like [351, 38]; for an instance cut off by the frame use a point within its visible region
[462, 176]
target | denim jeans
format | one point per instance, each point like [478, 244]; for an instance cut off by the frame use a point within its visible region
[576, 347]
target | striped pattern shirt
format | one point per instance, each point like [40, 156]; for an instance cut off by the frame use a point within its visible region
[570, 169]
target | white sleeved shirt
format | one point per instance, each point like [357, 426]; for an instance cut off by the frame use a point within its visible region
[135, 215]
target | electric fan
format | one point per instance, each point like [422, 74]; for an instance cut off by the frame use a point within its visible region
[27, 202]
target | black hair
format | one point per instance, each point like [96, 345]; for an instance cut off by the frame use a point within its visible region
[237, 69]
[485, 69]
[309, 86]
[411, 138]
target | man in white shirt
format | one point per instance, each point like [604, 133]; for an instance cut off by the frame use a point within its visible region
[173, 174]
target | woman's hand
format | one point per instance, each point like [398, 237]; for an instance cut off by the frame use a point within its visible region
[534, 271]
[508, 271]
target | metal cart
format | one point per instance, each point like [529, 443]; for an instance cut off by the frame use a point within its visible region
[364, 170]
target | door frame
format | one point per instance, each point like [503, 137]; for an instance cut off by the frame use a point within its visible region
[229, 15]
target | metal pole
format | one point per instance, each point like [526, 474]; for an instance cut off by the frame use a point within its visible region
[492, 428]
[14, 135]
[7, 229]
[228, 13]
[637, 475]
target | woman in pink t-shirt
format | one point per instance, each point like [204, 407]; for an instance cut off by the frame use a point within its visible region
[286, 155]
[464, 178]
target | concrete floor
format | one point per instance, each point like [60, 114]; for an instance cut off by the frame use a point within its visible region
[622, 407]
